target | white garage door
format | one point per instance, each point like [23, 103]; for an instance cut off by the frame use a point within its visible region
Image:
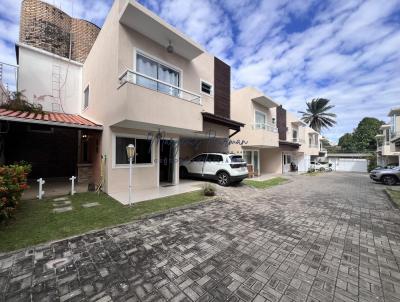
[349, 164]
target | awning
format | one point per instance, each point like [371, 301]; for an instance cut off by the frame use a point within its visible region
[49, 118]
[289, 145]
[223, 121]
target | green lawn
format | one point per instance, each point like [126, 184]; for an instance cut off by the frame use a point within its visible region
[265, 183]
[395, 195]
[36, 223]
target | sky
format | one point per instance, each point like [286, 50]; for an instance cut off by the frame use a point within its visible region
[292, 50]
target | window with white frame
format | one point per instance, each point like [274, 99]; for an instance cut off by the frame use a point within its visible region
[158, 71]
[206, 88]
[86, 98]
[260, 120]
[143, 150]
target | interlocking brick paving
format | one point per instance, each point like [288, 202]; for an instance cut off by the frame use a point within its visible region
[333, 237]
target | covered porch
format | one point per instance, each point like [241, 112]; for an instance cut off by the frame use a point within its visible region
[56, 145]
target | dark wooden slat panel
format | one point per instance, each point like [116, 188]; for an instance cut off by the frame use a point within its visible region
[281, 122]
[222, 88]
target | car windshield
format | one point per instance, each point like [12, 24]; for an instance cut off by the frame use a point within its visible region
[236, 159]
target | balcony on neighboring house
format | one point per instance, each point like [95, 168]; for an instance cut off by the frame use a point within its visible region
[394, 135]
[262, 135]
[271, 127]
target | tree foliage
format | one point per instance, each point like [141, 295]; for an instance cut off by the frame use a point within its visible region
[317, 114]
[18, 102]
[363, 137]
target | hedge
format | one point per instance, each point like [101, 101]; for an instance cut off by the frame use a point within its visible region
[13, 181]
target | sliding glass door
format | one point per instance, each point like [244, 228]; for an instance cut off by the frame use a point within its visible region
[157, 71]
[252, 157]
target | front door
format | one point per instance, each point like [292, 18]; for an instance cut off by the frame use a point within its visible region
[286, 161]
[167, 160]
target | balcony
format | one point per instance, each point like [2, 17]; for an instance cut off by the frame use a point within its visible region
[296, 140]
[143, 80]
[148, 103]
[268, 127]
[261, 135]
[313, 145]
[395, 135]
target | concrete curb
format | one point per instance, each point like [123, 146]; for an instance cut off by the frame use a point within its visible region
[206, 201]
[392, 202]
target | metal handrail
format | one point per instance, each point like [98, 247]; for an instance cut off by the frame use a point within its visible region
[394, 134]
[265, 126]
[130, 76]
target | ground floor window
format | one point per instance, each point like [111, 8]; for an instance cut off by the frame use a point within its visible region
[143, 150]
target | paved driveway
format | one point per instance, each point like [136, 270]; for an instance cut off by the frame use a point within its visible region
[323, 238]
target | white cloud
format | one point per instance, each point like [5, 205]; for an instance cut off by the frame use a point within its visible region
[293, 50]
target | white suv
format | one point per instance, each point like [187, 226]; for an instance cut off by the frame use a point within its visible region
[224, 168]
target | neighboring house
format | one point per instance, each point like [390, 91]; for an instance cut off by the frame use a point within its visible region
[388, 141]
[142, 82]
[275, 139]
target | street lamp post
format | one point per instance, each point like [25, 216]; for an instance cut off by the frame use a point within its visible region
[130, 152]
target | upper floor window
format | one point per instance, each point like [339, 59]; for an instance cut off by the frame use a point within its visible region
[387, 135]
[260, 120]
[206, 88]
[86, 98]
[155, 70]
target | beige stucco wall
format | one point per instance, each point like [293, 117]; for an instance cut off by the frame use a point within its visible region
[201, 67]
[243, 110]
[271, 161]
[111, 104]
[303, 134]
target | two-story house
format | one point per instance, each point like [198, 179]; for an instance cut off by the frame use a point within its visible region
[275, 141]
[388, 141]
[141, 82]
[150, 85]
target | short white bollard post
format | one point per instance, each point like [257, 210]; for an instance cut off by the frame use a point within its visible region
[72, 179]
[41, 192]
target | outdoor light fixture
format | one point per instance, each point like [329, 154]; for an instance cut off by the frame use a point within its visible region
[170, 48]
[130, 152]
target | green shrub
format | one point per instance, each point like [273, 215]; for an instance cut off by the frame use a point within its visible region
[209, 190]
[13, 181]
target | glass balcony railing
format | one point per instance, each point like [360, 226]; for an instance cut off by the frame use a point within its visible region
[143, 80]
[265, 126]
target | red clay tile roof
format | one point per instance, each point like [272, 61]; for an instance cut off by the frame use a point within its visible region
[49, 118]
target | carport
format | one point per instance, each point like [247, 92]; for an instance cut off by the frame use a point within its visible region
[57, 145]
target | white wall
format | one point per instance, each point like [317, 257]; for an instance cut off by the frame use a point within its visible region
[50, 80]
[349, 164]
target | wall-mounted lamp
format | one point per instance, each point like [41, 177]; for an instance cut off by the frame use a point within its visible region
[170, 48]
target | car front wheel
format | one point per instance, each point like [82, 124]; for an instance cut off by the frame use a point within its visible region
[389, 180]
[223, 179]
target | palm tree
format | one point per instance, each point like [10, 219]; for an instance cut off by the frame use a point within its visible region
[317, 115]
